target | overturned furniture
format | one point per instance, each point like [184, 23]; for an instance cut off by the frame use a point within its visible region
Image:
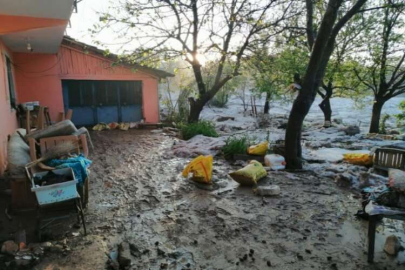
[56, 199]
[47, 144]
[59, 199]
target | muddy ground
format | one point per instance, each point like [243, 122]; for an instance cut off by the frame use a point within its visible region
[138, 195]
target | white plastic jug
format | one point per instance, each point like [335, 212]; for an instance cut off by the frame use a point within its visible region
[275, 162]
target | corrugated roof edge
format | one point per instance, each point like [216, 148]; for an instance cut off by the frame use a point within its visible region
[71, 42]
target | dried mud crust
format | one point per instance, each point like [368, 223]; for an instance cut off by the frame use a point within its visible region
[137, 195]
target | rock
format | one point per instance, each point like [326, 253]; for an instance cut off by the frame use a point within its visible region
[225, 118]
[124, 255]
[9, 247]
[351, 130]
[135, 250]
[224, 128]
[272, 190]
[392, 245]
[344, 180]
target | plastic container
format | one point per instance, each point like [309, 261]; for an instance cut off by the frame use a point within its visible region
[275, 162]
[57, 192]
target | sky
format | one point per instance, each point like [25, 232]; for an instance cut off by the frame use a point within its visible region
[85, 18]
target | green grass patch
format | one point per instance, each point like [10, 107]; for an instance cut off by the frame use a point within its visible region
[205, 128]
[236, 145]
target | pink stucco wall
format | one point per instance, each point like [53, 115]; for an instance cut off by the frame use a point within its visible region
[8, 120]
[39, 78]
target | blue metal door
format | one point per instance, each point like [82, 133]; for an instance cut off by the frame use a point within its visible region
[79, 97]
[106, 95]
[131, 101]
[103, 101]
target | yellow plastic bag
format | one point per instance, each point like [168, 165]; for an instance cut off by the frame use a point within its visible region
[258, 149]
[123, 126]
[358, 159]
[101, 126]
[249, 175]
[201, 168]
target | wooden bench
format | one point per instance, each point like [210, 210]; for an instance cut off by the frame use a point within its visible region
[387, 158]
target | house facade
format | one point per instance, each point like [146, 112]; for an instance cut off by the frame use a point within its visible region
[39, 63]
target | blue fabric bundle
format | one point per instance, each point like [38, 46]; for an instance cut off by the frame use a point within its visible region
[78, 164]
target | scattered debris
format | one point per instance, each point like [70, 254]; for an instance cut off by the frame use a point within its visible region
[272, 190]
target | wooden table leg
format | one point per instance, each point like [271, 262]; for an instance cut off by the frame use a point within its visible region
[372, 225]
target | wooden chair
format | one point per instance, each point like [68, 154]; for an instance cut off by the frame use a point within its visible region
[47, 143]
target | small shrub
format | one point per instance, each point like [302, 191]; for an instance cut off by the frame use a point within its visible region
[235, 146]
[205, 128]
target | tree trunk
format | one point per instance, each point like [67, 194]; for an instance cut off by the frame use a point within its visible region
[298, 112]
[326, 109]
[376, 114]
[267, 103]
[196, 107]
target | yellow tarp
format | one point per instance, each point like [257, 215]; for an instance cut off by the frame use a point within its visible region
[358, 159]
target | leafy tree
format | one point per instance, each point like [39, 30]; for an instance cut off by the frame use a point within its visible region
[272, 73]
[384, 68]
[401, 116]
[338, 70]
[175, 91]
[338, 79]
[224, 30]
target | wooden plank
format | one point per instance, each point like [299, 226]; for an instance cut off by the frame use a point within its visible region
[28, 122]
[69, 114]
[40, 118]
